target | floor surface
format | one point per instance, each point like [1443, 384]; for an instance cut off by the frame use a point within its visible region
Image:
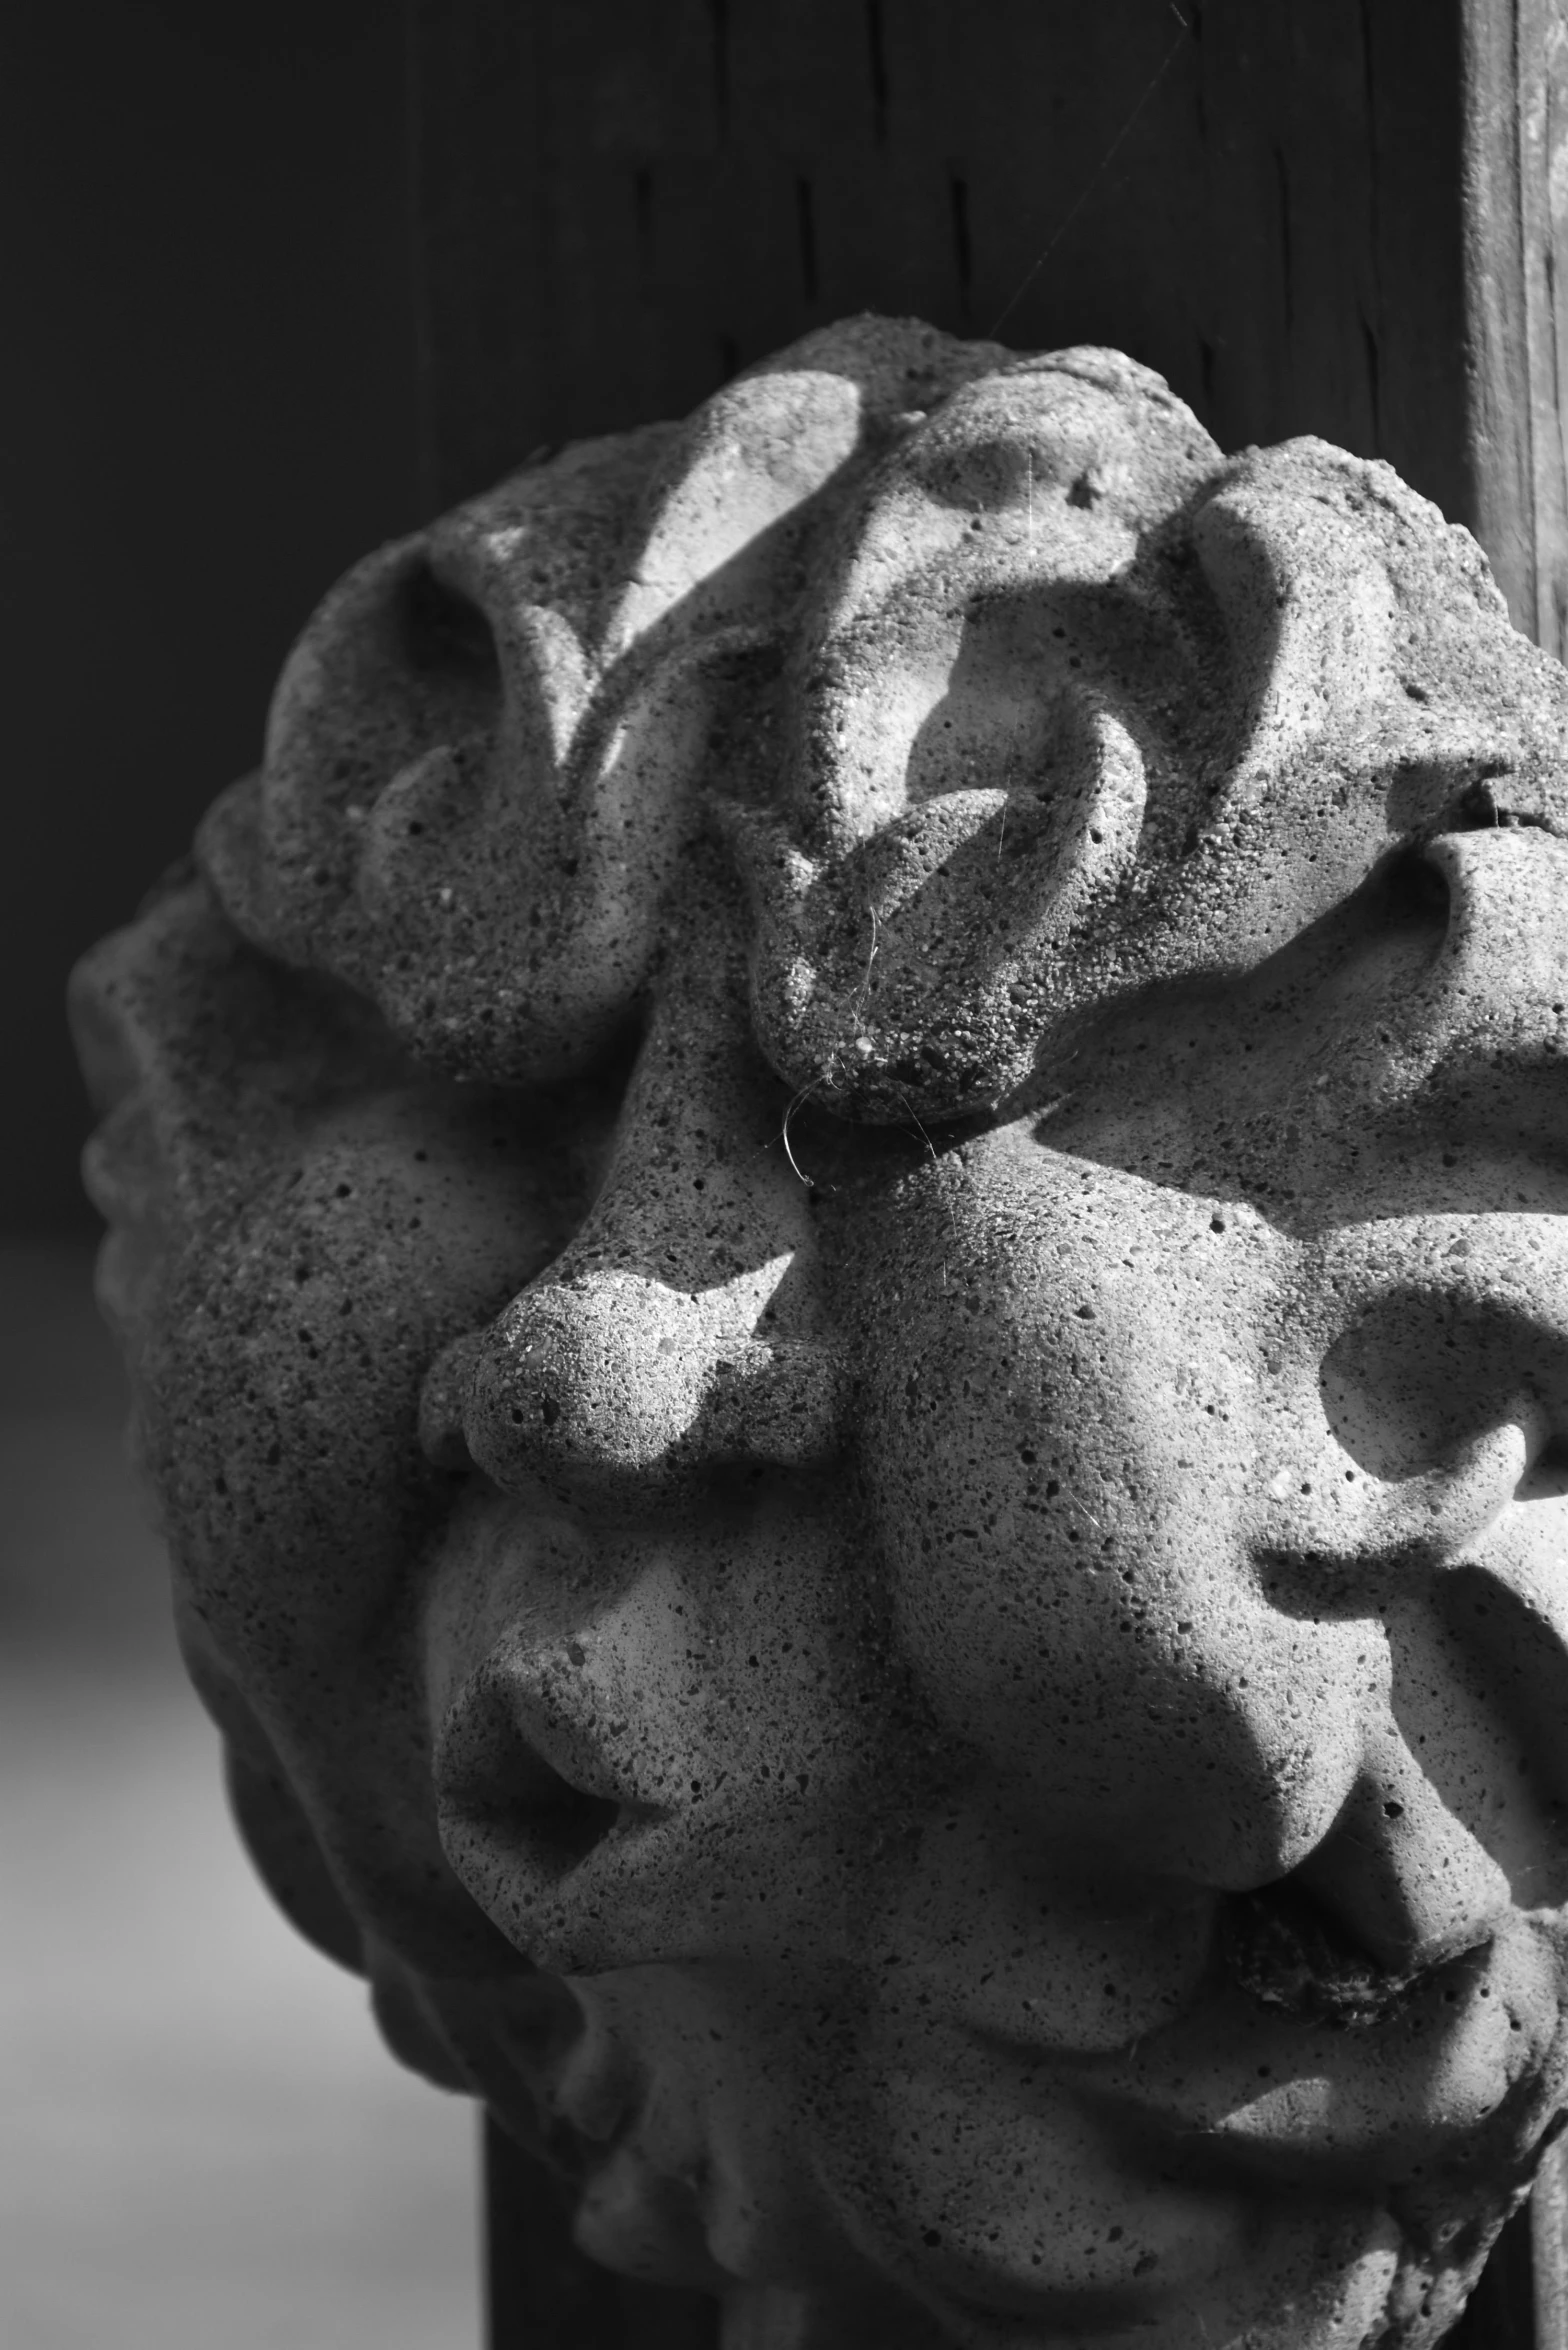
[203, 2145]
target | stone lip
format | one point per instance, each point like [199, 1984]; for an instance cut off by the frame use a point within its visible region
[839, 1214]
[1286, 1953]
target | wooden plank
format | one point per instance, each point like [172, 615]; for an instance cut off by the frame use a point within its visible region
[1516, 218]
[1501, 2311]
[1549, 2250]
[621, 201]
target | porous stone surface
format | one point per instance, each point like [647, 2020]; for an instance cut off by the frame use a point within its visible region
[839, 1212]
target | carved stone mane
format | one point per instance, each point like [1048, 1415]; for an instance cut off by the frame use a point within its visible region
[839, 1211]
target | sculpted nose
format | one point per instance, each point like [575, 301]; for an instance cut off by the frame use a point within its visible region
[682, 1328]
[1501, 978]
[609, 1377]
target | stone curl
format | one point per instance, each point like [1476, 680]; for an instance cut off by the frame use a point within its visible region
[1012, 695]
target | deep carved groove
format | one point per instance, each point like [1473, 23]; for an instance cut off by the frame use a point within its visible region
[444, 630]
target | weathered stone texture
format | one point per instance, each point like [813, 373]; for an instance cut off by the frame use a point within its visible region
[840, 1214]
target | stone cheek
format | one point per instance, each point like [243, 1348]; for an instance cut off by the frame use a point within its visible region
[838, 1214]
[1063, 1449]
[307, 1216]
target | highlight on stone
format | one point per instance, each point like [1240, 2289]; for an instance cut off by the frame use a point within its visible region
[839, 1215]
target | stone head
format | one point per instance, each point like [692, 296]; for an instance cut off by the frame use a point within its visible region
[839, 1212]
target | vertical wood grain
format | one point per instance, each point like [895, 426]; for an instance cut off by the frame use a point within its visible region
[622, 201]
[1501, 2312]
[1549, 2251]
[1516, 213]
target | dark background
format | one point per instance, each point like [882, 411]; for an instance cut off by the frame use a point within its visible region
[209, 411]
[281, 279]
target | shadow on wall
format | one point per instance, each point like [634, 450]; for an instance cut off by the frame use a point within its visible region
[201, 2138]
[207, 412]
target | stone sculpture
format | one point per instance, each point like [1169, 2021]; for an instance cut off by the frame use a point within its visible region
[838, 1212]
